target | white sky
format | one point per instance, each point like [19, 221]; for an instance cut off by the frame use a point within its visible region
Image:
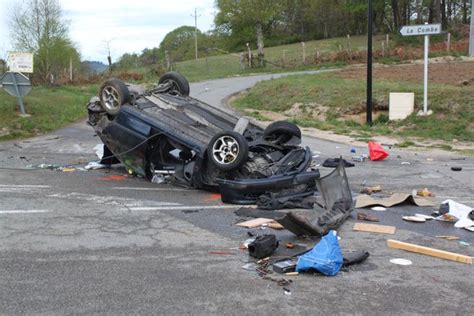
[129, 25]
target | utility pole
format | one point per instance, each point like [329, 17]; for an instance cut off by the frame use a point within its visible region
[471, 35]
[369, 64]
[195, 15]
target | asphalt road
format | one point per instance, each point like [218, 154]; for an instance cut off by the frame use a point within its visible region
[81, 243]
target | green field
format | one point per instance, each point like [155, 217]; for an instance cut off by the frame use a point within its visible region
[280, 59]
[50, 108]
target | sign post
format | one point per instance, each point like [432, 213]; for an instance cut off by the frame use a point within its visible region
[17, 85]
[14, 81]
[426, 30]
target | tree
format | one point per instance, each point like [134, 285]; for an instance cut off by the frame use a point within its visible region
[258, 14]
[179, 43]
[38, 26]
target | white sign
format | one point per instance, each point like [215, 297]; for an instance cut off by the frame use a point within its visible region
[424, 29]
[20, 62]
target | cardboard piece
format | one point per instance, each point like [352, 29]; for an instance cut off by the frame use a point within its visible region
[365, 200]
[374, 228]
[429, 251]
[259, 222]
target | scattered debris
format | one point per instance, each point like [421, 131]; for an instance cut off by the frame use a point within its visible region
[367, 217]
[285, 266]
[370, 190]
[427, 217]
[414, 219]
[263, 246]
[354, 257]
[374, 228]
[365, 200]
[337, 207]
[253, 223]
[326, 257]
[294, 273]
[378, 208]
[280, 282]
[429, 251]
[113, 178]
[290, 245]
[401, 261]
[425, 192]
[464, 243]
[448, 237]
[334, 162]
[286, 291]
[376, 151]
[463, 214]
[456, 168]
[405, 163]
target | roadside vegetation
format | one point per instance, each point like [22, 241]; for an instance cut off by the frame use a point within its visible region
[330, 101]
[50, 108]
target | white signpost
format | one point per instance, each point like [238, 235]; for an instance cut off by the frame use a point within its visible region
[426, 30]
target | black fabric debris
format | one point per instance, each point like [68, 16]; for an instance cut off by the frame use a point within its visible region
[334, 162]
[354, 257]
[272, 201]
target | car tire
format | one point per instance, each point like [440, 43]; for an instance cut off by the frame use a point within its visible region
[228, 150]
[180, 84]
[113, 94]
[281, 131]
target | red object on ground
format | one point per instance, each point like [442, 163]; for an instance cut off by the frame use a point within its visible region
[376, 151]
[113, 178]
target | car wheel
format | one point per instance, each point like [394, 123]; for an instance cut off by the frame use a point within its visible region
[179, 84]
[113, 94]
[281, 131]
[228, 150]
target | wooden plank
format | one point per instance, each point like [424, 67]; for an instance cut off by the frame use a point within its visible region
[429, 251]
[374, 228]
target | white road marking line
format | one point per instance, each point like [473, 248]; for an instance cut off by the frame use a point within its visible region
[184, 207]
[139, 204]
[148, 189]
[23, 186]
[23, 211]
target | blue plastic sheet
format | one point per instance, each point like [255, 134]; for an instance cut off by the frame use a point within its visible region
[325, 257]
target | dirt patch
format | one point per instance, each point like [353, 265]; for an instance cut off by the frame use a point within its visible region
[452, 72]
[309, 110]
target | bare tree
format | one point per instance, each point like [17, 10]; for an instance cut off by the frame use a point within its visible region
[38, 26]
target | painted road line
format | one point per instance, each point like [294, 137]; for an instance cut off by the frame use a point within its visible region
[139, 204]
[23, 211]
[148, 189]
[24, 186]
[184, 207]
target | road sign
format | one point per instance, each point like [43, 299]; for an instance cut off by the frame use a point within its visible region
[20, 62]
[424, 29]
[17, 85]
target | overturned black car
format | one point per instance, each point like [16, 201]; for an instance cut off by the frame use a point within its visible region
[164, 131]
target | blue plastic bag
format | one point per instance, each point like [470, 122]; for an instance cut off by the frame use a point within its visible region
[326, 256]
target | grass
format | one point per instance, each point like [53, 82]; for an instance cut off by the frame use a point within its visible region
[281, 59]
[342, 99]
[50, 108]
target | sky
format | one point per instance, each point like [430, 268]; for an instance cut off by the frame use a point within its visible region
[128, 26]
